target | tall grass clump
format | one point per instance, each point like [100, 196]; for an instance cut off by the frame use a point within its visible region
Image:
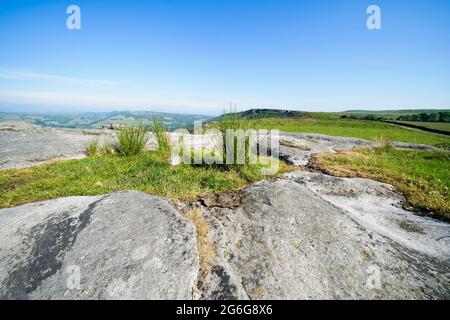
[92, 148]
[232, 121]
[160, 133]
[131, 141]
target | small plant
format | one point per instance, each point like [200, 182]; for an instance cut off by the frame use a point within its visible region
[92, 148]
[131, 141]
[160, 132]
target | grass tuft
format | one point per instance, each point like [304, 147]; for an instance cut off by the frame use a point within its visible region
[131, 141]
[160, 132]
[232, 121]
[92, 148]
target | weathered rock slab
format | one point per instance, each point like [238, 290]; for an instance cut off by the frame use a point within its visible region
[125, 245]
[313, 236]
[23, 144]
[378, 207]
[297, 148]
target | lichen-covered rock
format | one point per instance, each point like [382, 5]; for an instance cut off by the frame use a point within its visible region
[125, 245]
[313, 236]
[297, 148]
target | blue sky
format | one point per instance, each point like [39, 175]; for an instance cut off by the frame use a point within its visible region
[200, 56]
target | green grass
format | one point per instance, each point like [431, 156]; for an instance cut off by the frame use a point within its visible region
[148, 172]
[369, 130]
[422, 176]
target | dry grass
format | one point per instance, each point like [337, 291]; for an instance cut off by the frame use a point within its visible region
[206, 250]
[91, 133]
[351, 153]
[291, 144]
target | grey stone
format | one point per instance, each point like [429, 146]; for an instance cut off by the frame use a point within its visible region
[125, 245]
[320, 143]
[24, 145]
[312, 236]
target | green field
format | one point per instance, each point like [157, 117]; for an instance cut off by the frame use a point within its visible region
[369, 130]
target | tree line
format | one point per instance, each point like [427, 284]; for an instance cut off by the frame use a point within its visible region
[443, 116]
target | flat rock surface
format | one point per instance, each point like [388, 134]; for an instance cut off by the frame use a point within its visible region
[124, 245]
[312, 236]
[297, 148]
[24, 145]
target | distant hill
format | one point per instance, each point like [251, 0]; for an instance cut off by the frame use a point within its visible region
[269, 113]
[95, 120]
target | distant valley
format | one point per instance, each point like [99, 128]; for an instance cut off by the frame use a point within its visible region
[97, 120]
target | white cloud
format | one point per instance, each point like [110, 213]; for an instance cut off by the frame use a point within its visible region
[30, 75]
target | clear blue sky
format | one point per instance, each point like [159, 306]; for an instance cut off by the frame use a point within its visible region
[198, 56]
